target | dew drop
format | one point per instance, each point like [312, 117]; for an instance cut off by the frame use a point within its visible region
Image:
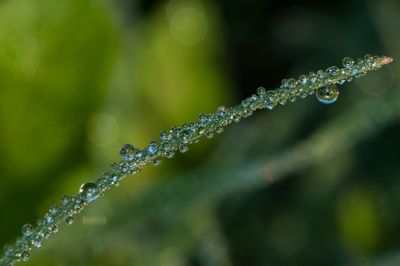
[327, 94]
[313, 77]
[320, 74]
[270, 106]
[64, 199]
[219, 130]
[69, 220]
[127, 152]
[53, 209]
[48, 218]
[184, 148]
[89, 192]
[201, 130]
[157, 161]
[285, 83]
[165, 146]
[27, 229]
[7, 249]
[368, 58]
[209, 134]
[303, 79]
[53, 229]
[151, 148]
[203, 117]
[169, 154]
[292, 83]
[261, 91]
[185, 135]
[333, 70]
[24, 255]
[36, 242]
[164, 135]
[348, 62]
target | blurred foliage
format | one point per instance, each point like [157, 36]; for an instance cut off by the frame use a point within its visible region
[305, 184]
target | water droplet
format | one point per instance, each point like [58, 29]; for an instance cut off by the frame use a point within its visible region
[48, 218]
[53, 209]
[53, 229]
[209, 134]
[303, 79]
[320, 74]
[69, 220]
[157, 161]
[313, 77]
[292, 83]
[27, 229]
[221, 110]
[285, 83]
[183, 148]
[333, 71]
[303, 95]
[219, 130]
[201, 130]
[89, 192]
[283, 94]
[270, 106]
[165, 146]
[64, 199]
[368, 58]
[271, 96]
[151, 148]
[46, 234]
[24, 255]
[164, 135]
[169, 154]
[184, 135]
[261, 91]
[36, 242]
[327, 94]
[127, 152]
[348, 62]
[202, 117]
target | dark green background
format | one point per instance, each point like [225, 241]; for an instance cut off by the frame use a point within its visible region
[304, 184]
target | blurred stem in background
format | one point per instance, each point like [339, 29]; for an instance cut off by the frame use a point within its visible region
[77, 80]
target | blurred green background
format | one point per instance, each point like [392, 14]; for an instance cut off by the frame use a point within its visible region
[304, 184]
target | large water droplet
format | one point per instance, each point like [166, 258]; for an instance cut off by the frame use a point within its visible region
[327, 94]
[27, 229]
[127, 152]
[89, 192]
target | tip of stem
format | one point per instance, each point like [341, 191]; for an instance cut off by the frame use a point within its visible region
[386, 60]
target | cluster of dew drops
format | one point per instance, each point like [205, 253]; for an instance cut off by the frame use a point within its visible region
[322, 83]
